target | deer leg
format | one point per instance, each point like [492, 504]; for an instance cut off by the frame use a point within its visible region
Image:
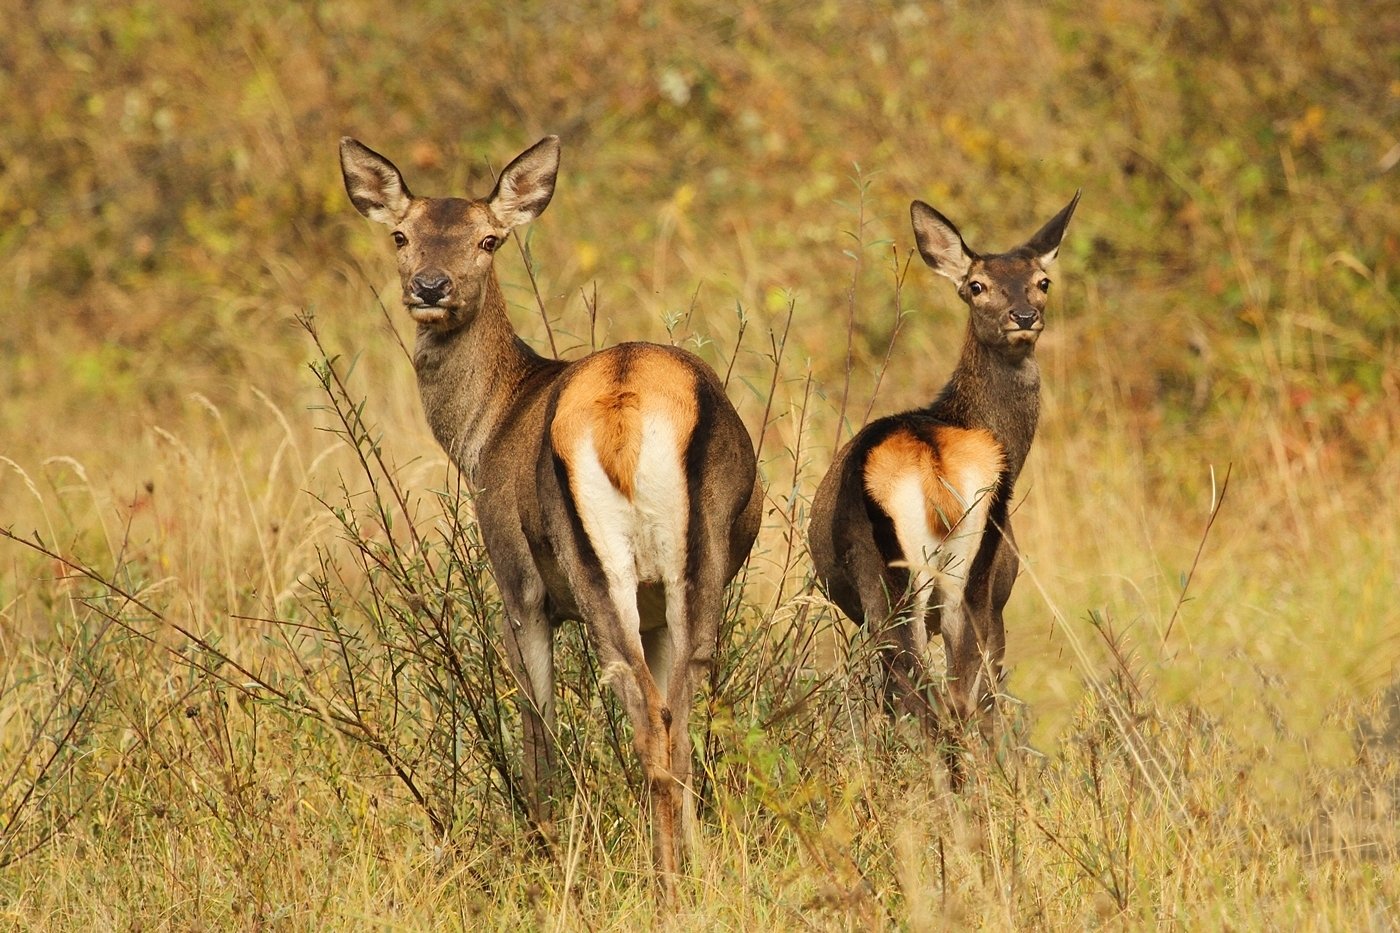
[695, 630]
[993, 652]
[964, 629]
[964, 651]
[985, 606]
[656, 644]
[989, 633]
[902, 643]
[974, 644]
[960, 643]
[668, 670]
[529, 643]
[879, 620]
[975, 647]
[615, 627]
[605, 574]
[680, 700]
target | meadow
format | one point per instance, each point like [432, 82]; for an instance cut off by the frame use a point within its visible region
[249, 675]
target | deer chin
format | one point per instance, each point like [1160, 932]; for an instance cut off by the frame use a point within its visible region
[1022, 336]
[430, 314]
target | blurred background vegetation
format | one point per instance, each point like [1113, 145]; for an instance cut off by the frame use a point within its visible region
[1229, 296]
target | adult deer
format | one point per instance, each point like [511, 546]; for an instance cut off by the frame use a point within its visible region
[619, 490]
[910, 529]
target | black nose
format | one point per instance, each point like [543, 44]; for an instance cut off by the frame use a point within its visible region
[1024, 319]
[431, 287]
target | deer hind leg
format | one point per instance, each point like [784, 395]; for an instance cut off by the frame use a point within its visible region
[904, 598]
[967, 639]
[963, 648]
[973, 665]
[609, 603]
[695, 611]
[663, 529]
[672, 828]
[634, 541]
[898, 625]
[632, 679]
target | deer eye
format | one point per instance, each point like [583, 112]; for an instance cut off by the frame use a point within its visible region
[490, 242]
[399, 239]
[1044, 285]
[975, 288]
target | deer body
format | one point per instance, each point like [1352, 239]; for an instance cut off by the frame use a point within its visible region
[909, 530]
[619, 490]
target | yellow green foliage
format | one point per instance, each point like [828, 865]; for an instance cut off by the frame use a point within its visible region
[735, 177]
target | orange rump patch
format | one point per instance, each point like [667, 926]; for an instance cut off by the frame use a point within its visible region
[617, 436]
[954, 466]
[608, 396]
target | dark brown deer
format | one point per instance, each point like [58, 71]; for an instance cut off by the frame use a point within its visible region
[909, 529]
[619, 490]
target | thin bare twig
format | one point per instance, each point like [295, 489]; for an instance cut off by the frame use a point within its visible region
[857, 263]
[777, 345]
[1205, 533]
[899, 276]
[535, 287]
[738, 343]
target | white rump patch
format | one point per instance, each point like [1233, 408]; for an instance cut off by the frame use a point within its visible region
[935, 561]
[641, 540]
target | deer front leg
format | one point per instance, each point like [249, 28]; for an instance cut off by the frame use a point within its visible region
[984, 606]
[529, 643]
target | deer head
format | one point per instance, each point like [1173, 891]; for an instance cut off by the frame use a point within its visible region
[1006, 292]
[446, 245]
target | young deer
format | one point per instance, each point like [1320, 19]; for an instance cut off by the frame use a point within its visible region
[916, 504]
[620, 489]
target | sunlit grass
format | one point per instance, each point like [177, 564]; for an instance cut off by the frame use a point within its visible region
[1223, 754]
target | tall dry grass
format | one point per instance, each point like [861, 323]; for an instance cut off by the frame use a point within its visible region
[246, 666]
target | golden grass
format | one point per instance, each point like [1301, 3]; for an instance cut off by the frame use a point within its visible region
[169, 202]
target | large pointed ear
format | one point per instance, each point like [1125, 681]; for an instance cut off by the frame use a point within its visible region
[1046, 242]
[526, 185]
[940, 243]
[375, 186]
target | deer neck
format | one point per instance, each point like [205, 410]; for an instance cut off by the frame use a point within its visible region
[998, 392]
[469, 377]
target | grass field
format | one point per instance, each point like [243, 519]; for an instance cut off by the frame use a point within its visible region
[248, 670]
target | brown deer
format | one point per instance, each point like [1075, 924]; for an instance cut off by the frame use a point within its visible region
[909, 530]
[619, 490]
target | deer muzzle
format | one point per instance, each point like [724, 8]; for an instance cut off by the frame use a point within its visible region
[429, 288]
[1023, 325]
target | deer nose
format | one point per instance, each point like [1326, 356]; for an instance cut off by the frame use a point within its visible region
[1025, 318]
[431, 287]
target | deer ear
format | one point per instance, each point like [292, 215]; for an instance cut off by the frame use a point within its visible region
[375, 186]
[526, 185]
[1046, 242]
[940, 243]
